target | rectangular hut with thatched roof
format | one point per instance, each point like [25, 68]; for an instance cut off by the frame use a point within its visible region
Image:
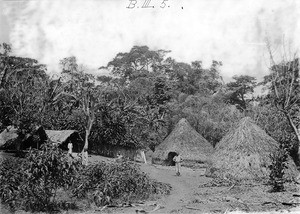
[244, 154]
[63, 137]
[187, 142]
[8, 135]
[10, 139]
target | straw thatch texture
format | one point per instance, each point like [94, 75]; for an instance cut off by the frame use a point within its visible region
[59, 136]
[10, 140]
[184, 139]
[7, 135]
[244, 153]
[63, 137]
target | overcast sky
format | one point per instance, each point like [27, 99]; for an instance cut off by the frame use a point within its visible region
[231, 31]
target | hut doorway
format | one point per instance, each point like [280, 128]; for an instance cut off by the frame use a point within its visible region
[169, 161]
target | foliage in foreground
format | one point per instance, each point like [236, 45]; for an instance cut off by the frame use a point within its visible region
[32, 183]
[104, 183]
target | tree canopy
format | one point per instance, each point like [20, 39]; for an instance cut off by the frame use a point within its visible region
[145, 94]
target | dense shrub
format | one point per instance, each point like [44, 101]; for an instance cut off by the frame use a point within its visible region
[105, 183]
[32, 183]
[12, 178]
[279, 164]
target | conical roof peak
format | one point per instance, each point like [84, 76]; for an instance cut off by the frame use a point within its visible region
[184, 139]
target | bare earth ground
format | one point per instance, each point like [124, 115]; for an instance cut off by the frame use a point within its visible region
[189, 195]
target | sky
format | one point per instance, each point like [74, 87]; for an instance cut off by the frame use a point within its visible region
[231, 31]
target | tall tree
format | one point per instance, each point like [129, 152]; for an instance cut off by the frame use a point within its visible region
[192, 79]
[143, 85]
[82, 91]
[212, 77]
[22, 86]
[284, 88]
[138, 62]
[239, 90]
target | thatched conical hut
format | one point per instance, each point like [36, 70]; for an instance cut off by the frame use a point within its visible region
[184, 139]
[244, 153]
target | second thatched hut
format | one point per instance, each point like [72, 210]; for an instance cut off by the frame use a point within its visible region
[244, 153]
[63, 137]
[186, 141]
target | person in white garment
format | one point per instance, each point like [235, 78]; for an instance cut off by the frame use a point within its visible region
[70, 149]
[177, 159]
[143, 156]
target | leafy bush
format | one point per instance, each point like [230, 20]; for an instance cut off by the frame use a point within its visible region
[106, 183]
[48, 170]
[32, 183]
[279, 164]
[12, 178]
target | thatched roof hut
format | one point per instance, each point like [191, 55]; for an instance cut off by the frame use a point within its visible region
[63, 137]
[244, 153]
[7, 135]
[10, 139]
[184, 139]
[34, 139]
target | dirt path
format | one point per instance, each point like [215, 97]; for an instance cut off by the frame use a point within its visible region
[187, 197]
[183, 187]
[183, 190]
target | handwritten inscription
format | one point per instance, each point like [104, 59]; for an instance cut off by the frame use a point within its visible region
[148, 4]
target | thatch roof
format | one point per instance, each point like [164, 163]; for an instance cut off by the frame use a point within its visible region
[8, 134]
[59, 136]
[244, 153]
[63, 137]
[10, 140]
[184, 139]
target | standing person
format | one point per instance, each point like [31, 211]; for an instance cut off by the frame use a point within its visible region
[143, 156]
[177, 159]
[70, 147]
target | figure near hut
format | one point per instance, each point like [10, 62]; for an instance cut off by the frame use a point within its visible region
[70, 149]
[177, 159]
